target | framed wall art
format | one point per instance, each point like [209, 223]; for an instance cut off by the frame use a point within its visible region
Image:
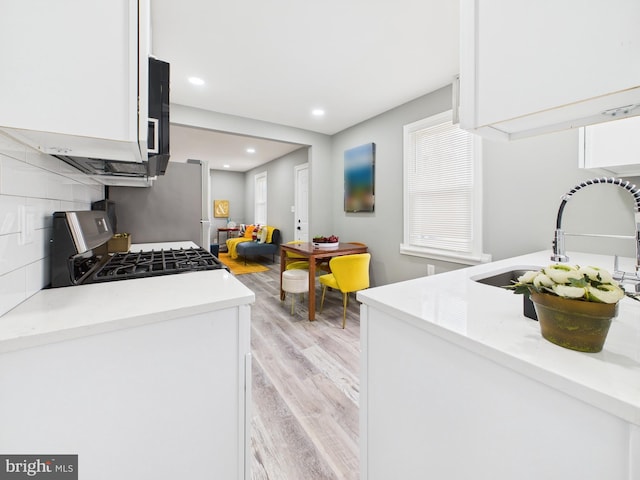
[359, 170]
[221, 208]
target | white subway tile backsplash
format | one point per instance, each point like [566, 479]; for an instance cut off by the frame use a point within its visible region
[12, 257]
[33, 186]
[12, 289]
[59, 187]
[10, 213]
[21, 179]
[38, 276]
[43, 208]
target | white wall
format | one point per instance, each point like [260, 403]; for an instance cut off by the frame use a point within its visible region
[37, 185]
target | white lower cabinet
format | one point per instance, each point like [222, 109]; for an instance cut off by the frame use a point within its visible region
[431, 409]
[166, 400]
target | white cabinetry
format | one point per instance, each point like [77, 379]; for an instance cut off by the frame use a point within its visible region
[612, 148]
[142, 379]
[166, 400]
[535, 67]
[431, 409]
[73, 74]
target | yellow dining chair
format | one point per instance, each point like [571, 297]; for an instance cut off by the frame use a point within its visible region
[299, 262]
[295, 261]
[349, 273]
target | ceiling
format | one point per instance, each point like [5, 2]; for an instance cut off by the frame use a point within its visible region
[225, 151]
[278, 60]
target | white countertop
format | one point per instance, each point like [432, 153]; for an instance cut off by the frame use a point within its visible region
[489, 321]
[60, 314]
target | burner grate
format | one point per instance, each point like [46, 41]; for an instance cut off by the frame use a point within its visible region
[122, 266]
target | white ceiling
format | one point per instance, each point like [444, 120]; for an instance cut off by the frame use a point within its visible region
[221, 149]
[277, 60]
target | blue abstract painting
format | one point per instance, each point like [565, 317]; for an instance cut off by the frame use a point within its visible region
[359, 178]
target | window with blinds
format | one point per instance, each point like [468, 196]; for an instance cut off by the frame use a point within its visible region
[442, 191]
[260, 199]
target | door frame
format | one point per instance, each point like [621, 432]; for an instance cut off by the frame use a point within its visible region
[296, 207]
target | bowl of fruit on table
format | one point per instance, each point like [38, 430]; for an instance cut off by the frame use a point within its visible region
[326, 242]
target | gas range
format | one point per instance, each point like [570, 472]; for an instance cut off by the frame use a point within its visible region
[78, 235]
[156, 262]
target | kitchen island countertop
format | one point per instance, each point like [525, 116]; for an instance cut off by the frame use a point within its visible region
[59, 314]
[488, 321]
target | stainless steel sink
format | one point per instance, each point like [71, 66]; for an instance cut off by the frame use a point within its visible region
[506, 277]
[502, 278]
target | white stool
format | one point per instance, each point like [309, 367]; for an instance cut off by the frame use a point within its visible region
[295, 281]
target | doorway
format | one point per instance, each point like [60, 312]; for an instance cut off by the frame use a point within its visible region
[301, 206]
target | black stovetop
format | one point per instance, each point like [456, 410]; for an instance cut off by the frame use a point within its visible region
[123, 266]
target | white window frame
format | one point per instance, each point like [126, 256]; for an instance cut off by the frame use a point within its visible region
[260, 199]
[474, 254]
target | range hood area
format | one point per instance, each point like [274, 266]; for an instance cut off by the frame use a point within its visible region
[156, 165]
[157, 137]
[110, 159]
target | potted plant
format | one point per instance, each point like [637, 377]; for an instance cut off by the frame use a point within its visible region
[574, 305]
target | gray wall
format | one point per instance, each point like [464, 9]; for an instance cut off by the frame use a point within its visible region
[382, 229]
[522, 181]
[225, 185]
[522, 185]
[280, 191]
[319, 151]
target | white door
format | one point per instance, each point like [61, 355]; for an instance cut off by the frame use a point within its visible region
[301, 208]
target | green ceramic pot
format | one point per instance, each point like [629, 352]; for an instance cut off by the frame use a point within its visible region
[574, 324]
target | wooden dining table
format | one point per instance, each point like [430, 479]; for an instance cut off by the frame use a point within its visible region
[313, 255]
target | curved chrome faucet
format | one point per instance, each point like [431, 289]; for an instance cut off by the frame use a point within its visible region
[559, 253]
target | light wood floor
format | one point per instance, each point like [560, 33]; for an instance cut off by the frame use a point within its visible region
[305, 385]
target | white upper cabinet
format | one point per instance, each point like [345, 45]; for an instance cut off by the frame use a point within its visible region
[612, 148]
[72, 74]
[535, 67]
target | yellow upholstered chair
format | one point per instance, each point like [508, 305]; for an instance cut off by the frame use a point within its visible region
[349, 273]
[300, 262]
[295, 261]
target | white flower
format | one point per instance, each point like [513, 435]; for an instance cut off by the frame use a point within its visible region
[562, 273]
[591, 284]
[568, 291]
[606, 293]
[528, 277]
[541, 280]
[597, 274]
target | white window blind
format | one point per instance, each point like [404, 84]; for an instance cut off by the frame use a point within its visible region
[442, 191]
[260, 197]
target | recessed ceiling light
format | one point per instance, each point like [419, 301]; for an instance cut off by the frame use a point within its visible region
[317, 112]
[196, 81]
[251, 150]
[226, 165]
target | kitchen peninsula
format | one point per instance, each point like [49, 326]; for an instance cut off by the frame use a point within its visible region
[456, 383]
[141, 378]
